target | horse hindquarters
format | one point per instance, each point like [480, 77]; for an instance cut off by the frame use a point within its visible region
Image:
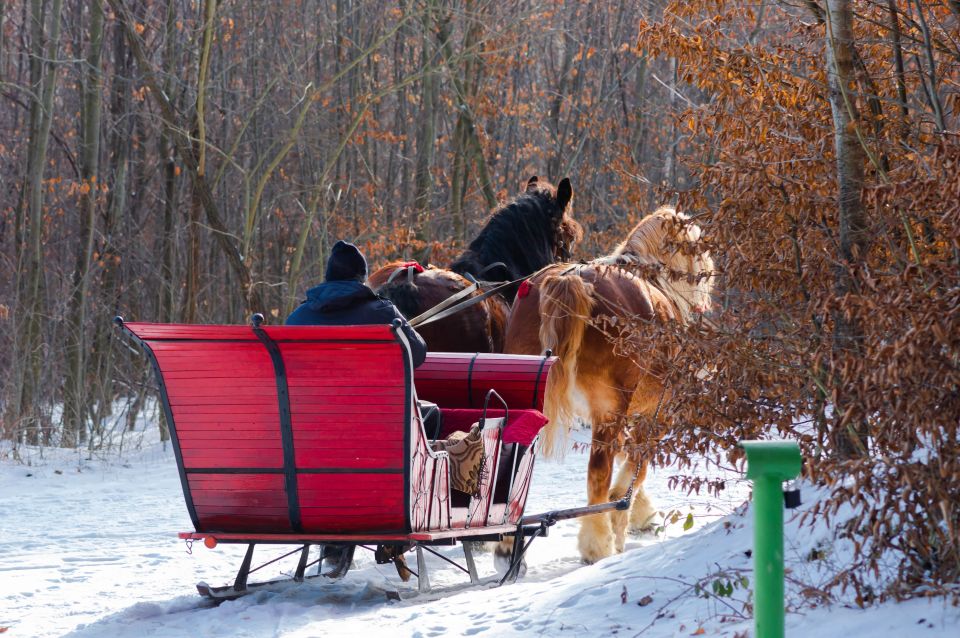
[566, 305]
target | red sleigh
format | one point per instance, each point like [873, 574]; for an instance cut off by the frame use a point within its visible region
[312, 436]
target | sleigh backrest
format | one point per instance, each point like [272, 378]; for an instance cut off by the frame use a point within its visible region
[287, 429]
[462, 380]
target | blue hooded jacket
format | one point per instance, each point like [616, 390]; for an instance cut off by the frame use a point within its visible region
[350, 303]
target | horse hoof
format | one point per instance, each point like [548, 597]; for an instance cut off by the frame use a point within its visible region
[647, 526]
[501, 562]
[643, 530]
[593, 551]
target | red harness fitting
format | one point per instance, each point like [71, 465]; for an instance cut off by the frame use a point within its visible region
[524, 289]
[412, 264]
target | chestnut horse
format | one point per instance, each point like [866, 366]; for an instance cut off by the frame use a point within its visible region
[532, 231]
[571, 309]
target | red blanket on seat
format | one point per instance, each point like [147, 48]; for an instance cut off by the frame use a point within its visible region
[522, 425]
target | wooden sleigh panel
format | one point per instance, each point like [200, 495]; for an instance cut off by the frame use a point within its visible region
[289, 429]
[313, 432]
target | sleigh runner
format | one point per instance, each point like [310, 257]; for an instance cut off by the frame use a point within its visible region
[313, 436]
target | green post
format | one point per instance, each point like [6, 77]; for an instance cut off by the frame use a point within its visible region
[769, 464]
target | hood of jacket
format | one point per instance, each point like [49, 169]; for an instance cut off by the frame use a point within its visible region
[332, 296]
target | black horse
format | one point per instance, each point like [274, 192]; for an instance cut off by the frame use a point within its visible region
[520, 238]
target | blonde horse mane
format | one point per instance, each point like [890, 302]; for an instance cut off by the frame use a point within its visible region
[669, 240]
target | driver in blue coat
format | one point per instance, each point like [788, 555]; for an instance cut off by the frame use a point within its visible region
[344, 300]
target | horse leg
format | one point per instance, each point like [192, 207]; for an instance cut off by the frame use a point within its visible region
[503, 555]
[647, 400]
[596, 535]
[642, 513]
[641, 510]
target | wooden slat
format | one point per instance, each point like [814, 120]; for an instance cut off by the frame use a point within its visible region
[237, 481]
[147, 331]
[373, 409]
[317, 458]
[248, 498]
[296, 333]
[371, 527]
[265, 443]
[352, 501]
[213, 457]
[207, 421]
[243, 524]
[350, 482]
[247, 510]
[318, 435]
[350, 444]
[305, 390]
[198, 412]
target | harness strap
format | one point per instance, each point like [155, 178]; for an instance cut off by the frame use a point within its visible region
[394, 274]
[446, 307]
[489, 267]
[411, 269]
[446, 303]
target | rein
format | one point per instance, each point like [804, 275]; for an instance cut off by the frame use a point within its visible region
[450, 305]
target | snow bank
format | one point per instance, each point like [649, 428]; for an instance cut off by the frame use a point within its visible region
[89, 548]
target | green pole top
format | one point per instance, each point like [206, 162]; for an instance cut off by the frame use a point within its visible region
[772, 459]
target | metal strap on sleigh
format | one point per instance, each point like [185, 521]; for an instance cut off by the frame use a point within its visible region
[312, 436]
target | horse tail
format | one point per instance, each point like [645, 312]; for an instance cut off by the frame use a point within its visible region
[566, 302]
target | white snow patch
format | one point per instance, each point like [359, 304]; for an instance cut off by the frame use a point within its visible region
[89, 548]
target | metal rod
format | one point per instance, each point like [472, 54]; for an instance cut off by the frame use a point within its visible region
[519, 551]
[471, 564]
[575, 512]
[439, 555]
[302, 564]
[269, 562]
[423, 580]
[240, 582]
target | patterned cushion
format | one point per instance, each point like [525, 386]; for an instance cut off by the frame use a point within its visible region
[466, 459]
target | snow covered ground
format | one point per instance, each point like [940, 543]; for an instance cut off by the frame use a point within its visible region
[89, 548]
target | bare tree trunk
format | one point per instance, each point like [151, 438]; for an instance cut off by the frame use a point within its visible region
[848, 438]
[458, 180]
[426, 140]
[168, 289]
[465, 77]
[556, 104]
[461, 142]
[670, 163]
[898, 64]
[3, 40]
[75, 398]
[930, 81]
[100, 403]
[43, 80]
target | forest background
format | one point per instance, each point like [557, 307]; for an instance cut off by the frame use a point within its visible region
[194, 160]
